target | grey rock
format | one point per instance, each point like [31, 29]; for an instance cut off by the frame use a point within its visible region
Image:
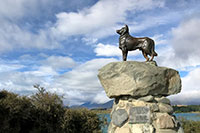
[163, 100]
[111, 128]
[180, 130]
[154, 107]
[119, 117]
[147, 98]
[142, 128]
[138, 79]
[165, 108]
[166, 131]
[153, 63]
[165, 121]
[113, 107]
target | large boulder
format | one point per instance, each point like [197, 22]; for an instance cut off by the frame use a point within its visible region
[137, 79]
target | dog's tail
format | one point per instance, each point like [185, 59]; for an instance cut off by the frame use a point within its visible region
[154, 53]
[153, 48]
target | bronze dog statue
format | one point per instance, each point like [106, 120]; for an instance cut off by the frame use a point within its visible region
[129, 43]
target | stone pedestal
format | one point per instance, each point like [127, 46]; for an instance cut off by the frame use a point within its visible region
[140, 90]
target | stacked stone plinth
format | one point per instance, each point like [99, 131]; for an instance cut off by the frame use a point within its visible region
[140, 90]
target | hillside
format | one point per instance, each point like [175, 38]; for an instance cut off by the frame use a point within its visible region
[90, 105]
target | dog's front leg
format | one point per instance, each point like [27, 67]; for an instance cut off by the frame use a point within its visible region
[124, 53]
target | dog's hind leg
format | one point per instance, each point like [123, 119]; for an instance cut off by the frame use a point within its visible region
[145, 55]
[152, 56]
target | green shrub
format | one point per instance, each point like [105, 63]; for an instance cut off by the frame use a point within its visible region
[190, 126]
[49, 111]
[43, 112]
[15, 113]
[81, 121]
[185, 109]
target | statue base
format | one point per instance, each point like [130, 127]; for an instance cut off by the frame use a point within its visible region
[147, 114]
[140, 90]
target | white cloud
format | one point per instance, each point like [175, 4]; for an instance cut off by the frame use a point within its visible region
[12, 9]
[107, 50]
[186, 39]
[16, 9]
[44, 71]
[190, 89]
[111, 50]
[16, 78]
[97, 21]
[78, 85]
[101, 97]
[83, 77]
[191, 81]
[143, 21]
[6, 66]
[19, 81]
[13, 37]
[81, 84]
[20, 78]
[82, 80]
[59, 62]
[100, 19]
[50, 66]
[166, 57]
[159, 39]
[89, 40]
[183, 49]
[17, 24]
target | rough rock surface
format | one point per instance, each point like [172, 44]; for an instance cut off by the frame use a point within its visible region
[138, 79]
[142, 128]
[166, 121]
[163, 100]
[138, 116]
[165, 108]
[119, 117]
[140, 90]
[147, 98]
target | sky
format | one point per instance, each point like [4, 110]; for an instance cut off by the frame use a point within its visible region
[62, 44]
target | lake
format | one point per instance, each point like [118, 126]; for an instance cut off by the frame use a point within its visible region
[187, 116]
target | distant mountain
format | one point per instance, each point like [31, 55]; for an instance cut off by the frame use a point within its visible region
[90, 105]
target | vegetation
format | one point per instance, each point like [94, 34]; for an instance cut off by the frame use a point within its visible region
[43, 112]
[15, 113]
[97, 111]
[190, 126]
[186, 109]
[81, 121]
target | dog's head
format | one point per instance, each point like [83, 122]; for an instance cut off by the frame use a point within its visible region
[123, 30]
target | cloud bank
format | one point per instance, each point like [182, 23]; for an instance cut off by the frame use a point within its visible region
[62, 44]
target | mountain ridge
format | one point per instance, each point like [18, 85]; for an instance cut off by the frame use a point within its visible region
[91, 105]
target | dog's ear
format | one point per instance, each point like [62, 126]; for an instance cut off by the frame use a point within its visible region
[126, 27]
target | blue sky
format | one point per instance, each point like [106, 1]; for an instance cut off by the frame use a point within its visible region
[62, 44]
